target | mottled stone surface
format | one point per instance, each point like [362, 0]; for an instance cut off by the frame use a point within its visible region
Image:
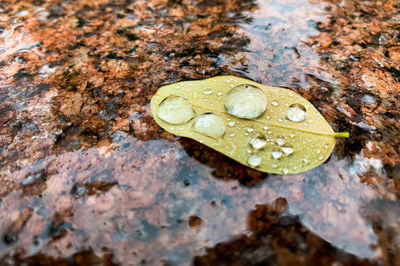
[87, 177]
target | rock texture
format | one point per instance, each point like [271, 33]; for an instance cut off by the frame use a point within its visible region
[87, 177]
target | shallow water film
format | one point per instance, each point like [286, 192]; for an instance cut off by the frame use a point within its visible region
[87, 177]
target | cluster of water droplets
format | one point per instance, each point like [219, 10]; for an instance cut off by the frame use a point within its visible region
[241, 102]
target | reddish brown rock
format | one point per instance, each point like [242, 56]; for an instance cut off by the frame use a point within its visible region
[87, 177]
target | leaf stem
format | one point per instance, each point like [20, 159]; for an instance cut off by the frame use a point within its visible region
[341, 135]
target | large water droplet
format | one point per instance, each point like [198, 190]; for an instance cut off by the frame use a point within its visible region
[288, 149]
[258, 143]
[296, 113]
[254, 160]
[245, 101]
[175, 110]
[211, 125]
[276, 154]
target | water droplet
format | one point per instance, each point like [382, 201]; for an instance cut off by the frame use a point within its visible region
[326, 146]
[231, 123]
[368, 99]
[280, 141]
[258, 143]
[211, 125]
[275, 103]
[285, 170]
[320, 157]
[208, 91]
[290, 94]
[175, 110]
[219, 93]
[205, 99]
[245, 101]
[232, 135]
[318, 151]
[276, 154]
[254, 160]
[292, 135]
[268, 117]
[280, 120]
[266, 127]
[305, 161]
[296, 113]
[249, 129]
[274, 165]
[288, 149]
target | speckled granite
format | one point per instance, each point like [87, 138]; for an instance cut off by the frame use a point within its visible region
[87, 177]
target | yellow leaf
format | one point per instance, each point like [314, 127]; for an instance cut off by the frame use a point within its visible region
[270, 129]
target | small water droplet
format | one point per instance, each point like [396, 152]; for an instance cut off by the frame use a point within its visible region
[288, 149]
[368, 99]
[232, 135]
[208, 91]
[254, 160]
[292, 135]
[280, 120]
[296, 113]
[266, 127]
[290, 94]
[249, 129]
[326, 146]
[258, 143]
[175, 110]
[231, 123]
[274, 103]
[211, 125]
[245, 101]
[318, 151]
[205, 99]
[280, 141]
[219, 93]
[305, 161]
[268, 117]
[285, 170]
[276, 154]
[274, 165]
[320, 157]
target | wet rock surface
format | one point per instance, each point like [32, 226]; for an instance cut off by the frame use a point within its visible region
[87, 177]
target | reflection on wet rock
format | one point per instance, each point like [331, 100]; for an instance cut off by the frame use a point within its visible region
[297, 245]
